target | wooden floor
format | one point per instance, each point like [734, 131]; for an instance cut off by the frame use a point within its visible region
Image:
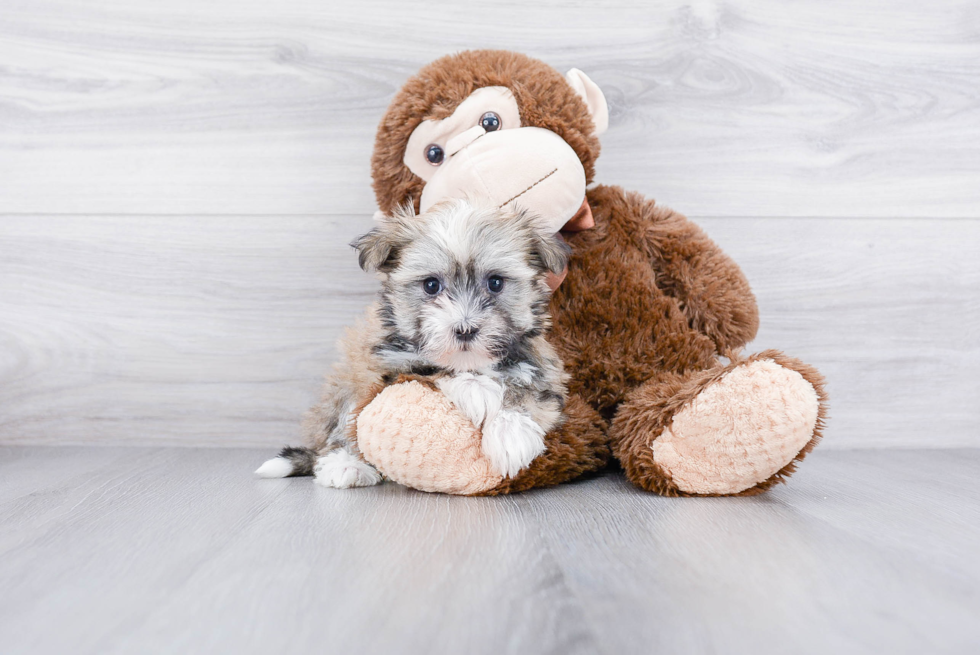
[124, 550]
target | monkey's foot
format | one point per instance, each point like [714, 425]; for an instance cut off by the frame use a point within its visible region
[736, 429]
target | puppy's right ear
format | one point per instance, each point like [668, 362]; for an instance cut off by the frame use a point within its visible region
[376, 250]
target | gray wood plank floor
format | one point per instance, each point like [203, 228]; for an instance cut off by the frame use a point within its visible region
[113, 550]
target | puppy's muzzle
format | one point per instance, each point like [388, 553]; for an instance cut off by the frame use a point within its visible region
[466, 334]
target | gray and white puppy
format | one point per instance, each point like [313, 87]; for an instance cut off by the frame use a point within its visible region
[464, 302]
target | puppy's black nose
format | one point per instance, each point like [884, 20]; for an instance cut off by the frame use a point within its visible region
[467, 334]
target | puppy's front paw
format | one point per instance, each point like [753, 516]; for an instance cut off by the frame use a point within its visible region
[511, 441]
[341, 470]
[477, 396]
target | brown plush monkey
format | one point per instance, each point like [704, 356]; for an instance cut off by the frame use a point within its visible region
[648, 307]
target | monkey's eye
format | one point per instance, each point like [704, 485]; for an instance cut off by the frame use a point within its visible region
[495, 284]
[490, 121]
[432, 286]
[434, 154]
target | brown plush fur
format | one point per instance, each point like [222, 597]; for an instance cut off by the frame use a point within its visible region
[578, 447]
[649, 303]
[647, 293]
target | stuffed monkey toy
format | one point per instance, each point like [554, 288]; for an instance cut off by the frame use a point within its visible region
[645, 316]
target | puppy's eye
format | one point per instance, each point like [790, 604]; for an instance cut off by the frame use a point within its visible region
[434, 154]
[432, 286]
[490, 121]
[495, 284]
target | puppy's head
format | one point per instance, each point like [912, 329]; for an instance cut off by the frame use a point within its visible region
[463, 284]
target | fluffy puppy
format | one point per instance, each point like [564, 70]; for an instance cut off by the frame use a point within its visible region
[463, 304]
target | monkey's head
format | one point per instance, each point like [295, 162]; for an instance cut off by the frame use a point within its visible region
[496, 127]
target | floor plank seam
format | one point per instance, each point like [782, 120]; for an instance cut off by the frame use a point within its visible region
[524, 502]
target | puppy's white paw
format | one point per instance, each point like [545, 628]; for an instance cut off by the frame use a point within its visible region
[511, 441]
[477, 396]
[341, 470]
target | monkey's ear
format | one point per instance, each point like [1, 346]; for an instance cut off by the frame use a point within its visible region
[593, 97]
[552, 253]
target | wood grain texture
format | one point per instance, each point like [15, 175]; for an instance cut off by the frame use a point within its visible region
[836, 108]
[180, 550]
[217, 330]
[190, 330]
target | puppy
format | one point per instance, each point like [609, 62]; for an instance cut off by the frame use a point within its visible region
[463, 304]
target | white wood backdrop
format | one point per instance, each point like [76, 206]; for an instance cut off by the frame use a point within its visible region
[178, 181]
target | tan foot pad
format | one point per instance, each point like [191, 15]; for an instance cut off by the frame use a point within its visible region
[739, 431]
[416, 437]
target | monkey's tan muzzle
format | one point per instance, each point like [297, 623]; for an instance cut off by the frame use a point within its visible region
[528, 168]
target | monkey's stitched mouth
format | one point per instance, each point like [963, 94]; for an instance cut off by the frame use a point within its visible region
[510, 200]
[464, 147]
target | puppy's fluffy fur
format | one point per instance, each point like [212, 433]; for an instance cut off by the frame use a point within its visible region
[464, 303]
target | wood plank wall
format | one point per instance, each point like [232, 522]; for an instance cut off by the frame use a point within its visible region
[178, 181]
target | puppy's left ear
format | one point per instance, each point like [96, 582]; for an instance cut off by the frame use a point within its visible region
[551, 253]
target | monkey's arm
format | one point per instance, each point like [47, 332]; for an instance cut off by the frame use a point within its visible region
[710, 287]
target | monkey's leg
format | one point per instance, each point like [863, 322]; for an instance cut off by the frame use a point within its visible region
[730, 430]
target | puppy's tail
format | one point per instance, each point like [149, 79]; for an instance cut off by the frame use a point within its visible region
[290, 462]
